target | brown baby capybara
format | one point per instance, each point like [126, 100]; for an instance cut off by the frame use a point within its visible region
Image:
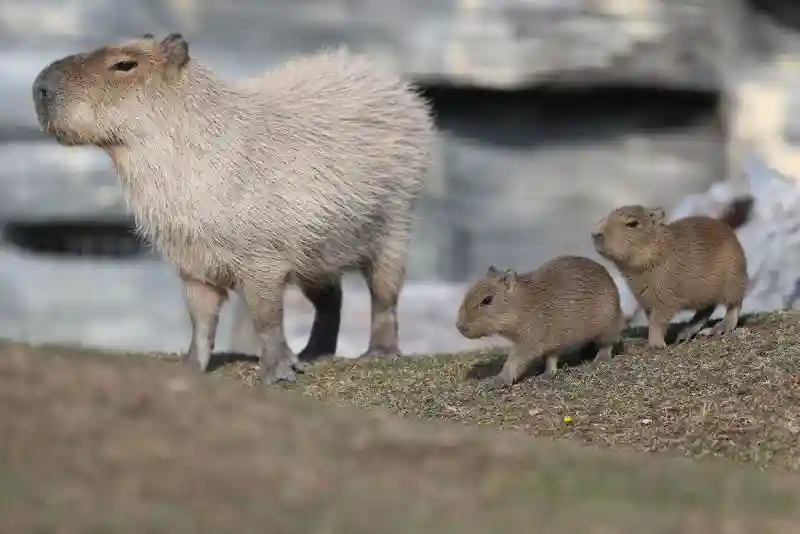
[695, 263]
[566, 303]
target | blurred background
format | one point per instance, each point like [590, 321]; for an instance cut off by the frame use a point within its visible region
[552, 113]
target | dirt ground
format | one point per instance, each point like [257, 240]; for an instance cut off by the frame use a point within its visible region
[95, 443]
[736, 397]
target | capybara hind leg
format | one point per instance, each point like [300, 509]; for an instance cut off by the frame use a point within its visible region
[603, 353]
[204, 303]
[551, 368]
[264, 296]
[605, 343]
[657, 324]
[729, 322]
[696, 323]
[384, 277]
[326, 296]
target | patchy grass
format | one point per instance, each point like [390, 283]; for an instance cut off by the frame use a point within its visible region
[92, 443]
[736, 397]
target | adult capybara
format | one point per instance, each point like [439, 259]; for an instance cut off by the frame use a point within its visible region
[297, 175]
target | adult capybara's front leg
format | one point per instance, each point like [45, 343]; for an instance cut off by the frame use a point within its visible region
[264, 296]
[204, 303]
[326, 296]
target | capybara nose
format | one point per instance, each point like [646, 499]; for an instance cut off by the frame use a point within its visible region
[45, 86]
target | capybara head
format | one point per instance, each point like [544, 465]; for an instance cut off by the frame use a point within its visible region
[487, 306]
[628, 236]
[100, 97]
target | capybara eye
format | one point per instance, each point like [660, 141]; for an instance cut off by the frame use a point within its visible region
[632, 224]
[124, 66]
[486, 301]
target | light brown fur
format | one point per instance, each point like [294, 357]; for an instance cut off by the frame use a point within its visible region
[566, 303]
[297, 175]
[695, 263]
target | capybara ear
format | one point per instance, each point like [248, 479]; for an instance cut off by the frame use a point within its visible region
[492, 270]
[175, 49]
[656, 214]
[510, 279]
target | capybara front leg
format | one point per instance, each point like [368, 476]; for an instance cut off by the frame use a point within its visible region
[264, 296]
[204, 302]
[384, 277]
[518, 361]
[326, 296]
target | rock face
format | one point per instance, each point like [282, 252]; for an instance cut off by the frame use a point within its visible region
[631, 116]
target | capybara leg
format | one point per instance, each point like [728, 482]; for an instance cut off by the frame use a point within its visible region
[696, 323]
[605, 343]
[264, 296]
[326, 296]
[551, 367]
[729, 322]
[658, 320]
[514, 367]
[384, 276]
[603, 353]
[204, 303]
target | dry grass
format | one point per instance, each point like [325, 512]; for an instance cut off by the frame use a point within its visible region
[92, 443]
[736, 397]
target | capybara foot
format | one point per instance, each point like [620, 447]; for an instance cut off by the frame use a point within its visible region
[192, 360]
[685, 335]
[548, 375]
[272, 374]
[493, 384]
[381, 352]
[301, 367]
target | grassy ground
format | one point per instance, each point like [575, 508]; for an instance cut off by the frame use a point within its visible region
[91, 443]
[736, 397]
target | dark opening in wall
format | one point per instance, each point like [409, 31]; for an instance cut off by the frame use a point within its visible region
[527, 172]
[560, 111]
[97, 239]
[783, 12]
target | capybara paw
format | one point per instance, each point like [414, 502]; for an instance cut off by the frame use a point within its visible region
[301, 367]
[684, 335]
[273, 374]
[719, 329]
[192, 361]
[547, 375]
[310, 354]
[603, 355]
[657, 344]
[492, 384]
[381, 352]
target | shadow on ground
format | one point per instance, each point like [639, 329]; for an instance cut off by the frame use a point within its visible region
[131, 444]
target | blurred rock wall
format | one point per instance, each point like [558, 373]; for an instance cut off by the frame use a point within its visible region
[551, 113]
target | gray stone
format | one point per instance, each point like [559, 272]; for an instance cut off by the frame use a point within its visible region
[525, 175]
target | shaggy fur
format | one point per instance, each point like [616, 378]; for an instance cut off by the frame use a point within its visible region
[695, 263]
[564, 304]
[294, 176]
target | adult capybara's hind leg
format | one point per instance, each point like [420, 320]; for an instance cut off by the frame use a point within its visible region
[326, 296]
[204, 303]
[385, 275]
